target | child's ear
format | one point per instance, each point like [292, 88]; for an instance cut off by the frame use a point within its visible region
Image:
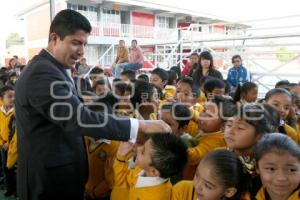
[154, 172]
[230, 192]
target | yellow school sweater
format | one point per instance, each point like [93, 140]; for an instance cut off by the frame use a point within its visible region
[101, 155]
[261, 195]
[193, 127]
[169, 92]
[12, 154]
[4, 121]
[202, 98]
[122, 192]
[207, 143]
[139, 186]
[292, 133]
[298, 126]
[184, 190]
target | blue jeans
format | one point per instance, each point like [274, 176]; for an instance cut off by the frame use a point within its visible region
[132, 67]
[125, 67]
[118, 69]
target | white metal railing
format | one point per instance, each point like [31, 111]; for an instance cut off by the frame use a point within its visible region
[101, 61]
[258, 46]
[130, 31]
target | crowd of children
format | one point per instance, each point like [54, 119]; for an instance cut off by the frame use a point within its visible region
[225, 144]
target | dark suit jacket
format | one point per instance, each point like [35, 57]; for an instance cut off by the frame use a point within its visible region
[51, 154]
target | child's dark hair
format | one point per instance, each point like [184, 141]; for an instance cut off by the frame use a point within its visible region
[263, 117]
[181, 113]
[163, 74]
[172, 77]
[107, 101]
[143, 91]
[188, 80]
[212, 83]
[100, 82]
[143, 77]
[276, 142]
[241, 91]
[283, 84]
[291, 85]
[207, 56]
[88, 93]
[67, 22]
[204, 79]
[4, 89]
[121, 87]
[227, 87]
[96, 71]
[231, 171]
[226, 106]
[169, 155]
[130, 74]
[275, 91]
[236, 57]
[177, 70]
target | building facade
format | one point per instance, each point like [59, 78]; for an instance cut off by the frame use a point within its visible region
[114, 20]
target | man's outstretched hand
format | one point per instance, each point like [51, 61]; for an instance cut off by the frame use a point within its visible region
[149, 127]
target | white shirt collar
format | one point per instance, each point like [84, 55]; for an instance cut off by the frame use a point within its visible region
[6, 112]
[49, 52]
[99, 141]
[186, 136]
[201, 133]
[172, 87]
[144, 181]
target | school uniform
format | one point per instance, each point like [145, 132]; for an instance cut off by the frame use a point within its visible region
[121, 192]
[292, 133]
[262, 195]
[12, 154]
[11, 162]
[184, 190]
[5, 117]
[193, 127]
[101, 154]
[169, 92]
[202, 98]
[140, 187]
[207, 142]
[298, 126]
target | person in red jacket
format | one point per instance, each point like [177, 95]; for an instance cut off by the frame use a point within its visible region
[192, 65]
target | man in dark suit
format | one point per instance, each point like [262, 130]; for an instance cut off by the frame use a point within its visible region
[51, 119]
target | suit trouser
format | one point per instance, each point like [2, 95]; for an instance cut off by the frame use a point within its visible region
[63, 183]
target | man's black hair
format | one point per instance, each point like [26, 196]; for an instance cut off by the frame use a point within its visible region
[67, 22]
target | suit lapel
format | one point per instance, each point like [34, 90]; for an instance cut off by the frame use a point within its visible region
[49, 57]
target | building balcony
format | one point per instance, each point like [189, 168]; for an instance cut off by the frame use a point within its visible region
[109, 33]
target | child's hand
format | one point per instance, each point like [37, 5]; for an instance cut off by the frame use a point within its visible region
[125, 148]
